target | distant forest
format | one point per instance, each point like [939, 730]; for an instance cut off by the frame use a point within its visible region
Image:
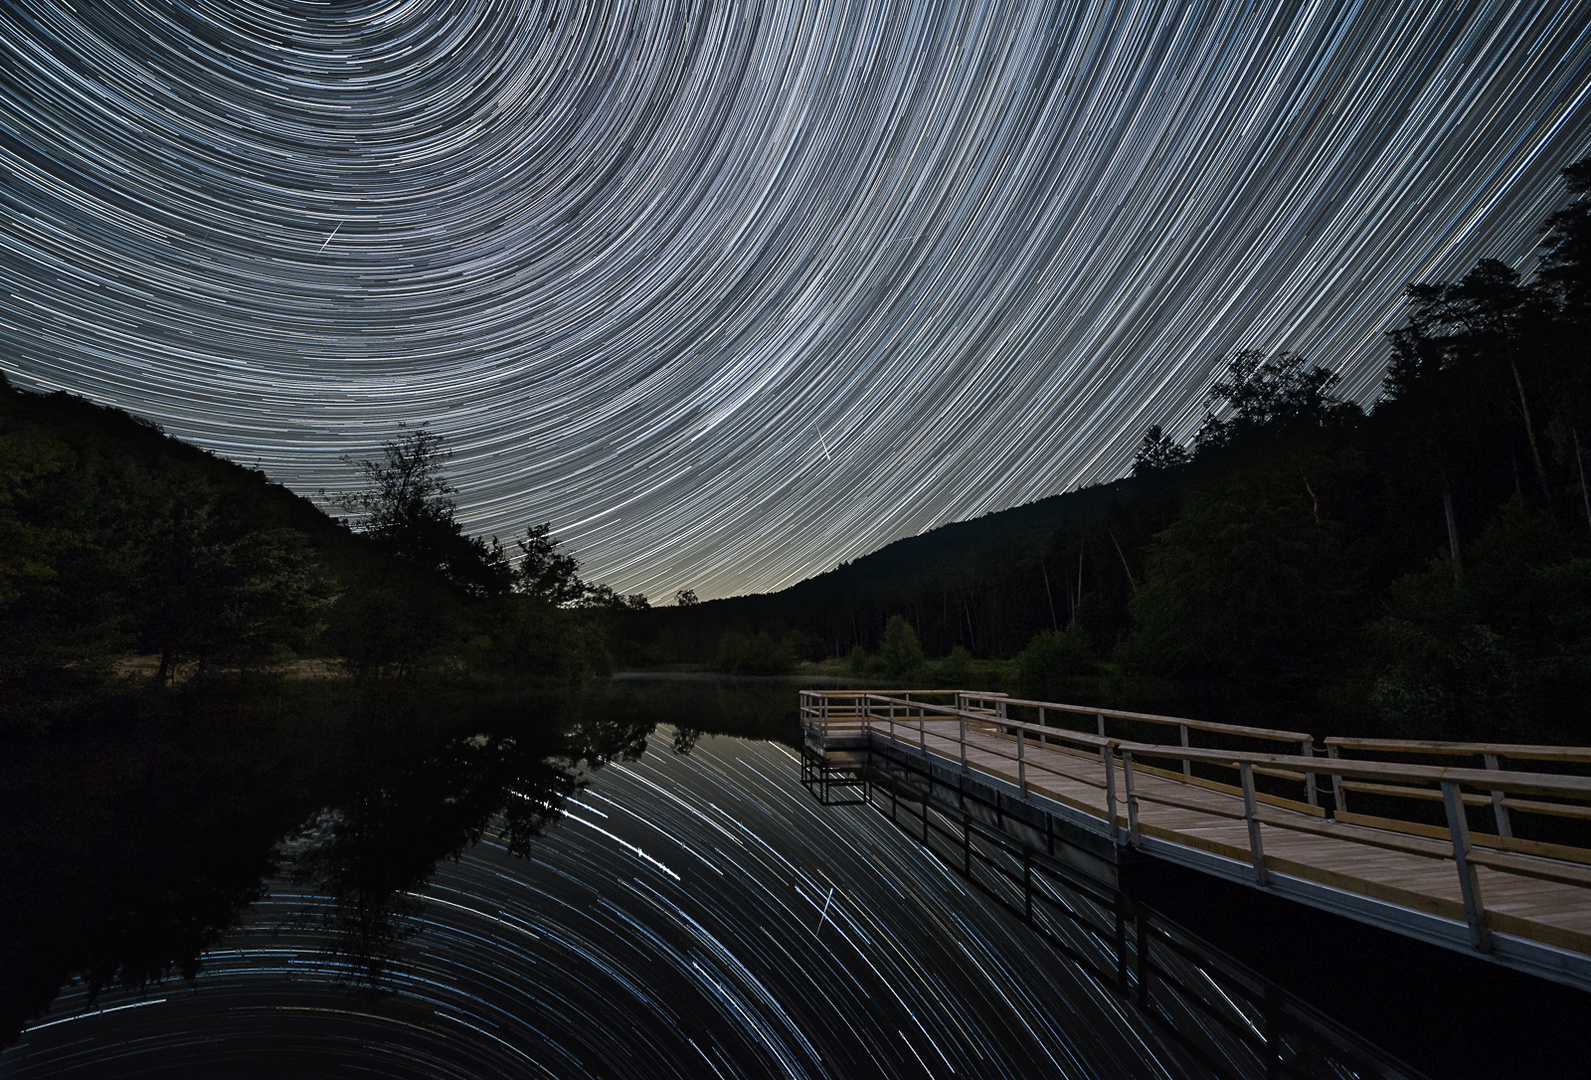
[1423, 569]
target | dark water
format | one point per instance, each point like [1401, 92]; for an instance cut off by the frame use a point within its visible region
[590, 887]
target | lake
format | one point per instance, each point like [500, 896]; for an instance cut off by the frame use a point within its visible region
[685, 908]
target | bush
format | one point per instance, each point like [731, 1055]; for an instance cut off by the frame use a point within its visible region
[1050, 659]
[901, 652]
[1499, 655]
[1460, 685]
[955, 668]
[530, 640]
[755, 654]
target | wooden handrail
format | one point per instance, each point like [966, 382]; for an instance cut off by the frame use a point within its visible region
[1423, 746]
[1523, 783]
[1271, 734]
[1574, 787]
[1328, 766]
[896, 697]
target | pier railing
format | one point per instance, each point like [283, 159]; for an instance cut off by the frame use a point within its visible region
[950, 724]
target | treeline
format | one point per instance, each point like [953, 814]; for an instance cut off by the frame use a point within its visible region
[1419, 570]
[1422, 569]
[116, 540]
[147, 804]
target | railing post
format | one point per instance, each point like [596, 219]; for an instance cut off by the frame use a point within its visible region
[961, 725]
[1101, 717]
[1309, 777]
[1480, 936]
[922, 736]
[1110, 796]
[1021, 765]
[1187, 766]
[1504, 826]
[1256, 852]
[1338, 795]
[1132, 800]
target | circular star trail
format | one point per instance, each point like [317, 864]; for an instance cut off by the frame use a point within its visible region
[689, 917]
[730, 294]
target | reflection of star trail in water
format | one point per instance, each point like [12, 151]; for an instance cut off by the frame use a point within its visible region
[669, 934]
[626, 259]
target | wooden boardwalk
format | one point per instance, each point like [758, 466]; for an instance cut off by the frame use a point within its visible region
[1522, 902]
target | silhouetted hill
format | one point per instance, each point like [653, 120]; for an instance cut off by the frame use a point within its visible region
[114, 435]
[987, 584]
[1421, 571]
[116, 538]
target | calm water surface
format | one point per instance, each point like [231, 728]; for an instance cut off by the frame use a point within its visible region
[684, 914]
[690, 911]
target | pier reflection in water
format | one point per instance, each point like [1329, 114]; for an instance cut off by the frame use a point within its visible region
[685, 914]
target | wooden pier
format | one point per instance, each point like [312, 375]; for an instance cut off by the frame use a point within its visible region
[1266, 808]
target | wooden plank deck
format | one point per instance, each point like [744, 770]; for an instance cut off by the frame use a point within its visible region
[1527, 897]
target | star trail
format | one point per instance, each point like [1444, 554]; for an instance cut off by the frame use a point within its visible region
[732, 293]
[672, 925]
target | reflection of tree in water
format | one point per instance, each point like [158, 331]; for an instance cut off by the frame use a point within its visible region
[374, 847]
[754, 708]
[713, 705]
[135, 831]
[130, 847]
[341, 852]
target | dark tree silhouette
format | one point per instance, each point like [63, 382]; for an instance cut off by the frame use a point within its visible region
[1478, 332]
[1566, 243]
[409, 510]
[544, 571]
[1158, 451]
[1270, 395]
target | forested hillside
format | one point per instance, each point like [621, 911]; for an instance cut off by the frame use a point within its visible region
[117, 541]
[1423, 569]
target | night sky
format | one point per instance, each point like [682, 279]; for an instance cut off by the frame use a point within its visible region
[731, 296]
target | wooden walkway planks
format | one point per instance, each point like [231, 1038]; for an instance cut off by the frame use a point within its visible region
[1537, 899]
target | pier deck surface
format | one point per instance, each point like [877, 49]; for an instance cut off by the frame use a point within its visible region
[1530, 901]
